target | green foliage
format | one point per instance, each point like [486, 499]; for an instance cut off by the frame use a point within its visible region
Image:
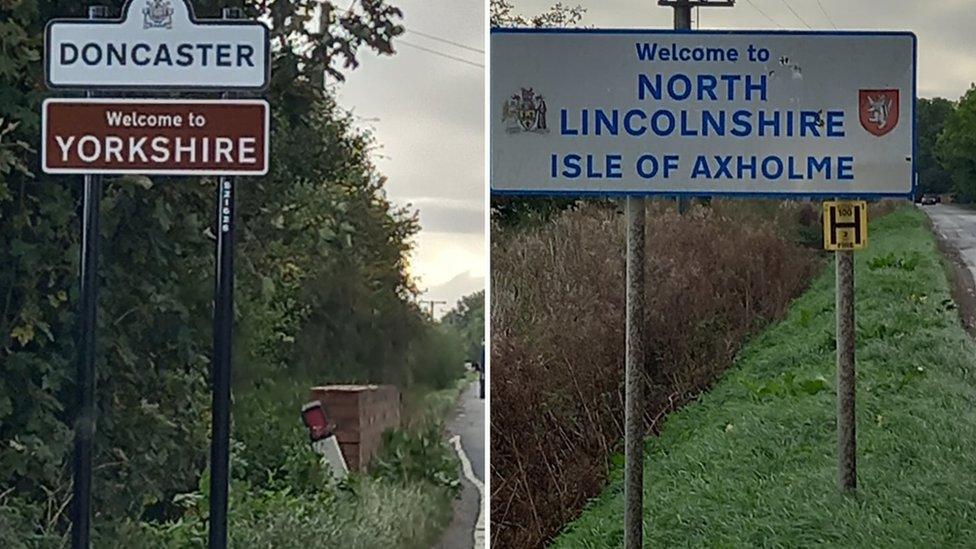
[956, 146]
[438, 357]
[468, 319]
[892, 260]
[523, 212]
[26, 524]
[418, 456]
[733, 470]
[559, 15]
[787, 384]
[931, 118]
[361, 514]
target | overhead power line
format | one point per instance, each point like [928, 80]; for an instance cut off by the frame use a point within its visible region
[793, 11]
[764, 14]
[440, 53]
[438, 39]
[832, 24]
[445, 41]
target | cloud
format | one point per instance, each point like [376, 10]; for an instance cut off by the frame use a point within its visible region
[427, 112]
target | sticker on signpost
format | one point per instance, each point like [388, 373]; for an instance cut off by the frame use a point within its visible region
[157, 44]
[155, 136]
[706, 113]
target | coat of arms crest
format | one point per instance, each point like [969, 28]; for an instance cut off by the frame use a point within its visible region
[878, 110]
[525, 111]
[158, 14]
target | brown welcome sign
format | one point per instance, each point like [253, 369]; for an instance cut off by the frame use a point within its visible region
[146, 136]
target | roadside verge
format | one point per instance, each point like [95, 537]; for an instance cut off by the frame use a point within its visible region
[753, 461]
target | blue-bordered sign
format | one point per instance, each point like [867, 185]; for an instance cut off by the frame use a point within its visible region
[157, 44]
[706, 113]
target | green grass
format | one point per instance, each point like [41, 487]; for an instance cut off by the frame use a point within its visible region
[423, 405]
[752, 463]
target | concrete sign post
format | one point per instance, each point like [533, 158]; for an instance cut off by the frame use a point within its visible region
[156, 45]
[706, 113]
[846, 424]
[845, 230]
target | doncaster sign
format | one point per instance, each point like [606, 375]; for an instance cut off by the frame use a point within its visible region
[703, 113]
[157, 45]
[149, 136]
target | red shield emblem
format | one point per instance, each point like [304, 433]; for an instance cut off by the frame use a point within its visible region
[878, 110]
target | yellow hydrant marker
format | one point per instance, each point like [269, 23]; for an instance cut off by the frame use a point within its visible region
[845, 225]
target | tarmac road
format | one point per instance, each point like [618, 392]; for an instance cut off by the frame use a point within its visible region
[957, 225]
[466, 429]
[469, 423]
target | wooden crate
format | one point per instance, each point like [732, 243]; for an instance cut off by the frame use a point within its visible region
[360, 413]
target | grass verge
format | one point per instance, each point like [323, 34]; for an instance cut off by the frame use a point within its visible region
[423, 405]
[752, 463]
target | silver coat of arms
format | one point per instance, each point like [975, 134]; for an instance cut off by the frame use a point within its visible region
[158, 14]
[525, 111]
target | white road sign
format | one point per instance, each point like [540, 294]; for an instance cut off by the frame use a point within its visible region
[157, 44]
[702, 113]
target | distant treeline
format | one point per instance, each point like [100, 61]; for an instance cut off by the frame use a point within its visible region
[947, 145]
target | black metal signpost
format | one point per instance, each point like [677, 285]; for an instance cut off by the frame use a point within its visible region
[220, 370]
[85, 420]
[222, 338]
[175, 29]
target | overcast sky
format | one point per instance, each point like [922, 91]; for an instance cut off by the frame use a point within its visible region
[427, 111]
[946, 37]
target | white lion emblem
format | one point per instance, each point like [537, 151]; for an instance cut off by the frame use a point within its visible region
[878, 110]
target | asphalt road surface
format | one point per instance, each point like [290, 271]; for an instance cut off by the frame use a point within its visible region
[957, 225]
[469, 423]
[466, 429]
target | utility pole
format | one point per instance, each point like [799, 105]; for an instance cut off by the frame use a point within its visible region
[682, 21]
[431, 303]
